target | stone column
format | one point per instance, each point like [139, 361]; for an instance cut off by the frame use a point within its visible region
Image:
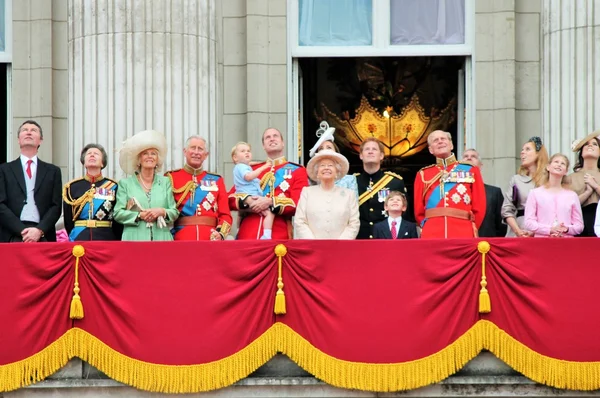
[141, 64]
[571, 71]
[495, 99]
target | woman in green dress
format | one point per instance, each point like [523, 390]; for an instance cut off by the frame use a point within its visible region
[145, 204]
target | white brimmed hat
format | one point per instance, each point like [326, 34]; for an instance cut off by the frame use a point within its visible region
[133, 146]
[327, 154]
[578, 144]
[325, 133]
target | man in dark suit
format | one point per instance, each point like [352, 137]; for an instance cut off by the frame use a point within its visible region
[374, 185]
[30, 192]
[492, 225]
[394, 226]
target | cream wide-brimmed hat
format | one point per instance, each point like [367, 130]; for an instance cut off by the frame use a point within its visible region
[325, 133]
[337, 158]
[578, 144]
[133, 146]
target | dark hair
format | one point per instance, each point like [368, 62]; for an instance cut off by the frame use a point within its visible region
[335, 147]
[579, 162]
[537, 141]
[94, 146]
[31, 122]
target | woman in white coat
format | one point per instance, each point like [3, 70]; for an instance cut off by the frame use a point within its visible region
[327, 211]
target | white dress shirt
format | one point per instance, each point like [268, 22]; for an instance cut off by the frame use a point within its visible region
[398, 222]
[30, 211]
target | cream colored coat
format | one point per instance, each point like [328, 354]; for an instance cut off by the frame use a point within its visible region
[322, 214]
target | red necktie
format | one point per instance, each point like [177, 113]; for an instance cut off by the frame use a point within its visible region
[29, 168]
[393, 230]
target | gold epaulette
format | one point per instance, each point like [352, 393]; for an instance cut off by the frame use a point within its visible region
[427, 167]
[391, 173]
[74, 180]
[66, 193]
[466, 162]
[356, 174]
[171, 171]
[111, 180]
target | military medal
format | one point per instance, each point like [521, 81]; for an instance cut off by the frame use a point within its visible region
[383, 194]
[287, 174]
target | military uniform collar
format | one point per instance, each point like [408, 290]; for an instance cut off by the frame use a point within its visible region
[93, 179]
[279, 161]
[192, 170]
[375, 175]
[446, 162]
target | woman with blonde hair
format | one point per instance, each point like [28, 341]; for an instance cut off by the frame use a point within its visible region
[553, 210]
[586, 178]
[145, 204]
[534, 158]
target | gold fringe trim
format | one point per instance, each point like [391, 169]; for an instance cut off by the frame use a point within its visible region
[437, 367]
[38, 366]
[557, 373]
[280, 337]
[381, 377]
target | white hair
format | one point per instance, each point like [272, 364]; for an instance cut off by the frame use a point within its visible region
[338, 167]
[438, 131]
[195, 137]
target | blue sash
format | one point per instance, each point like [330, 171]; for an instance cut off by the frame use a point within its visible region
[436, 196]
[84, 215]
[190, 207]
[280, 175]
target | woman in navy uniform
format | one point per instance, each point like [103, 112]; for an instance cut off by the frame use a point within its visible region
[88, 202]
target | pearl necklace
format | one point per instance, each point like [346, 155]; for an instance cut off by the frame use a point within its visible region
[143, 184]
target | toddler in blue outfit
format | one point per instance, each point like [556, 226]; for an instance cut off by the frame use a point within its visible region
[246, 180]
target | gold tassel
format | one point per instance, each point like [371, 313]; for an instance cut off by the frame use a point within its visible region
[76, 311]
[280, 251]
[485, 304]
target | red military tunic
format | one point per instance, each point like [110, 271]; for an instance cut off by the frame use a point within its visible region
[283, 183]
[202, 203]
[449, 199]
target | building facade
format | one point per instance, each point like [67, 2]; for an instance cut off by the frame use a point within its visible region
[99, 71]
[103, 70]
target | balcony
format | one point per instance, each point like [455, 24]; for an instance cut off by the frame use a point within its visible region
[414, 318]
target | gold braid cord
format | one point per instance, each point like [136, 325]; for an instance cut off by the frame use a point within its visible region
[77, 204]
[428, 184]
[184, 190]
[266, 180]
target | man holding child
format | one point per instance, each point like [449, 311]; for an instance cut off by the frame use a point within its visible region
[281, 185]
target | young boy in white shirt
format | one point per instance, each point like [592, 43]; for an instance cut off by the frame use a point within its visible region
[394, 227]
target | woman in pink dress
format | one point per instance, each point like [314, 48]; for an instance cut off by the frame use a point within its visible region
[553, 210]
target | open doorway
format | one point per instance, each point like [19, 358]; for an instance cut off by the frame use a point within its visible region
[4, 122]
[399, 100]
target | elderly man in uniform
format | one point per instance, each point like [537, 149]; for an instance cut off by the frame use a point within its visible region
[281, 186]
[200, 196]
[374, 185]
[449, 195]
[492, 225]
